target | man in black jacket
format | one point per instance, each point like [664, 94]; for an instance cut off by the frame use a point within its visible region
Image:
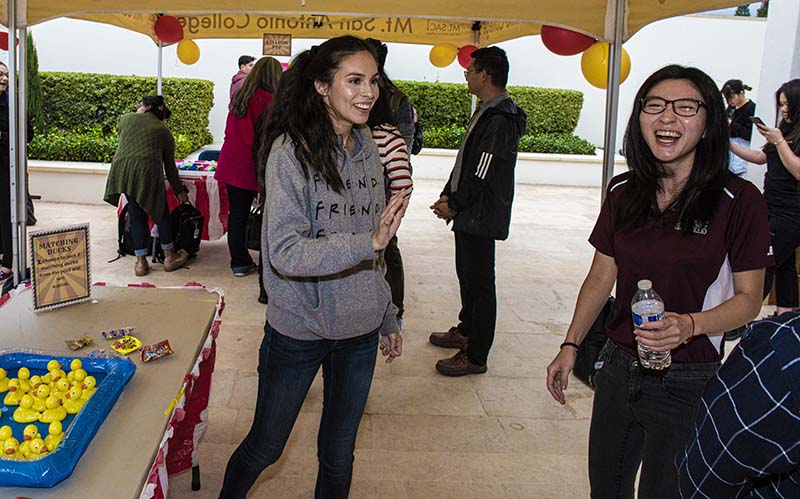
[477, 199]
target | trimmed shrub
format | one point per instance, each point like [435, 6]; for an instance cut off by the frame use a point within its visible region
[450, 137]
[549, 110]
[82, 110]
[90, 144]
[555, 143]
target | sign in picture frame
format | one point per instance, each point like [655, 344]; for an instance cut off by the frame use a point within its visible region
[61, 272]
[277, 44]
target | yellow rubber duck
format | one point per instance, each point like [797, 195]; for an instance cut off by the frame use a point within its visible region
[14, 394]
[54, 435]
[54, 411]
[36, 382]
[5, 433]
[72, 400]
[59, 388]
[76, 371]
[37, 449]
[25, 413]
[3, 380]
[28, 434]
[55, 375]
[24, 376]
[89, 386]
[39, 397]
[11, 449]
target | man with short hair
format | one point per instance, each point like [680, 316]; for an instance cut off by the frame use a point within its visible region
[746, 440]
[245, 65]
[477, 199]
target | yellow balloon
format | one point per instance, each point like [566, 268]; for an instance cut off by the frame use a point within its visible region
[594, 65]
[443, 54]
[188, 51]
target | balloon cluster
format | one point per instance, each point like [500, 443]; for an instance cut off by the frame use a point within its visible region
[443, 54]
[594, 61]
[169, 30]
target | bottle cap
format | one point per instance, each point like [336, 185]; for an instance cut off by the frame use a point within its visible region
[645, 284]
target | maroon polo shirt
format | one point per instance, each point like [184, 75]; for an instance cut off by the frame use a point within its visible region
[692, 272]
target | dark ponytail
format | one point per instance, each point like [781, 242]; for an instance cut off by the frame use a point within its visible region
[300, 112]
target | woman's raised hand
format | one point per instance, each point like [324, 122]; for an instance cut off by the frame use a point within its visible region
[390, 220]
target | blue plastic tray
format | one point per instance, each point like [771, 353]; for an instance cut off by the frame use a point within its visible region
[111, 373]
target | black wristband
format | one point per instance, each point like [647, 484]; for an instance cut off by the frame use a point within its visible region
[569, 344]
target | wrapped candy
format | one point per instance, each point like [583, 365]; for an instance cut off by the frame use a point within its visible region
[79, 343]
[127, 345]
[156, 351]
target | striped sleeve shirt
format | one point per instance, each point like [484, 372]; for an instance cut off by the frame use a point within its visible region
[394, 157]
[747, 433]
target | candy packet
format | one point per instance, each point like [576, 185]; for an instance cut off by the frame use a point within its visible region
[127, 345]
[156, 351]
[79, 343]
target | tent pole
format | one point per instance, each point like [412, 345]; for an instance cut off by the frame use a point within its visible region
[612, 96]
[22, 152]
[16, 265]
[476, 40]
[160, 66]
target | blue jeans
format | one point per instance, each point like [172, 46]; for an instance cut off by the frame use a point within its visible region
[139, 228]
[641, 419]
[286, 369]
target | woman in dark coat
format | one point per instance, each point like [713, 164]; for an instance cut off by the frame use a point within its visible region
[146, 152]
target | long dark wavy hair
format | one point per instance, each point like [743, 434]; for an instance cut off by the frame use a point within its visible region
[791, 128]
[701, 192]
[300, 112]
[265, 75]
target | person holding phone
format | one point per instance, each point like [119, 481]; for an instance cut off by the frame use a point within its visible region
[740, 110]
[781, 153]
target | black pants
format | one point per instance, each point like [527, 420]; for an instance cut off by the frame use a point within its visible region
[641, 419]
[5, 214]
[475, 269]
[394, 274]
[785, 235]
[240, 201]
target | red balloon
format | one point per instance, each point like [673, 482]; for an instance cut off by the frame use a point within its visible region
[465, 55]
[168, 29]
[4, 40]
[565, 42]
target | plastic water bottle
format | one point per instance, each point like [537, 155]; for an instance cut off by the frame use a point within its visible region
[647, 306]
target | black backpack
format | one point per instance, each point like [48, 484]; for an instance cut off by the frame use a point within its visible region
[586, 364]
[125, 239]
[419, 136]
[187, 222]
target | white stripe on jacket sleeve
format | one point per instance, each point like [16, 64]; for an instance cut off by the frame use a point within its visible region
[483, 165]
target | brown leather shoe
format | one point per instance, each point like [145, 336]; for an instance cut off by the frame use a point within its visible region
[459, 365]
[142, 268]
[451, 339]
[176, 260]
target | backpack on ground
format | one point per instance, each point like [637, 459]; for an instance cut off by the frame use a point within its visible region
[187, 222]
[125, 239]
[419, 136]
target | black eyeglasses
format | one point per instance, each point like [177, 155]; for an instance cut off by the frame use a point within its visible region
[467, 72]
[681, 107]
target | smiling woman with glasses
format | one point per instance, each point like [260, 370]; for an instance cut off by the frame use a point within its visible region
[677, 197]
[681, 107]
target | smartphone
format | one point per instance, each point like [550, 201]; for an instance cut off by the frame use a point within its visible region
[757, 121]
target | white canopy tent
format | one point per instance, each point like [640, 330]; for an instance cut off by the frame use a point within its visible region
[613, 21]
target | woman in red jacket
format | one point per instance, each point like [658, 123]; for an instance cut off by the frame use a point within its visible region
[235, 167]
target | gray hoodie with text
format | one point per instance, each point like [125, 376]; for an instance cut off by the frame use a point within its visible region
[322, 276]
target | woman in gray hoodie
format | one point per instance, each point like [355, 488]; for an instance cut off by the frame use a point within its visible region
[326, 224]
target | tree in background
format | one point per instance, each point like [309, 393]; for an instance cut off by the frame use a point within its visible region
[35, 113]
[743, 10]
[762, 11]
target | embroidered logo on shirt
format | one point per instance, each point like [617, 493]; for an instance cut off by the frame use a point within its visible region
[699, 227]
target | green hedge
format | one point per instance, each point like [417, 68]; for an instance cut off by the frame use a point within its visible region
[549, 110]
[89, 144]
[449, 137]
[82, 110]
